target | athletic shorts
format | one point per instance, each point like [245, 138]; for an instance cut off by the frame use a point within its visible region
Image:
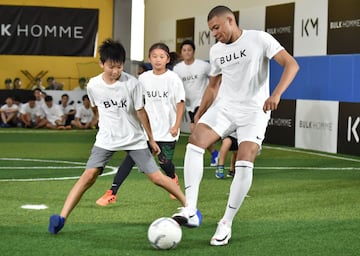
[248, 126]
[99, 157]
[234, 143]
[192, 114]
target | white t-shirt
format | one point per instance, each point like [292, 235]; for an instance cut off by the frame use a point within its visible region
[244, 65]
[195, 78]
[67, 109]
[85, 115]
[7, 109]
[52, 114]
[34, 112]
[119, 127]
[162, 93]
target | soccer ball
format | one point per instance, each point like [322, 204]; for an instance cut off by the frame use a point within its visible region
[164, 233]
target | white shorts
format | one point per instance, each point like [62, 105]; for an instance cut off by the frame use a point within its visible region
[249, 126]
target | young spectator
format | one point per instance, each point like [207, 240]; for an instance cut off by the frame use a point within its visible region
[54, 115]
[117, 98]
[39, 97]
[68, 109]
[195, 76]
[38, 84]
[8, 113]
[52, 84]
[84, 117]
[143, 67]
[164, 103]
[82, 85]
[229, 143]
[17, 83]
[31, 114]
[8, 84]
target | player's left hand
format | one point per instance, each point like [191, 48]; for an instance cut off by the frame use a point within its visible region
[155, 147]
[271, 103]
[174, 131]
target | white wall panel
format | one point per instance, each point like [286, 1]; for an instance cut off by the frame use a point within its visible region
[316, 125]
[310, 27]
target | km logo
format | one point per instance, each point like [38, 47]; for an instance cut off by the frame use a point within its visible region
[352, 129]
[307, 24]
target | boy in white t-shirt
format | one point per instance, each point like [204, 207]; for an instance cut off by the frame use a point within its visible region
[84, 117]
[9, 113]
[164, 96]
[31, 114]
[117, 99]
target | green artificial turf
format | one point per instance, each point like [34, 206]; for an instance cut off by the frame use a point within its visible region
[300, 203]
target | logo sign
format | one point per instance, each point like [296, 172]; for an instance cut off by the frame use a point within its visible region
[279, 22]
[310, 31]
[281, 127]
[343, 27]
[35, 30]
[316, 125]
[349, 128]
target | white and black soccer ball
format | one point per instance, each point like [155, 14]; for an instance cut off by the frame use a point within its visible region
[164, 233]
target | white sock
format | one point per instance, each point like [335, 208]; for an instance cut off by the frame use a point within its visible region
[239, 188]
[193, 172]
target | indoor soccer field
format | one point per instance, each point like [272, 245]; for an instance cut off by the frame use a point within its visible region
[301, 202]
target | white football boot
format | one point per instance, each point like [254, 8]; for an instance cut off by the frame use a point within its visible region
[222, 234]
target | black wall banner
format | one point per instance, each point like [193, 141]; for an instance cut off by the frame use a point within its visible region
[281, 128]
[349, 128]
[279, 22]
[53, 31]
[343, 27]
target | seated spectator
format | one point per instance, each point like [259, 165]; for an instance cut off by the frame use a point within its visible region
[38, 84]
[17, 83]
[31, 114]
[229, 143]
[84, 117]
[52, 84]
[8, 113]
[67, 108]
[8, 84]
[40, 96]
[53, 114]
[82, 85]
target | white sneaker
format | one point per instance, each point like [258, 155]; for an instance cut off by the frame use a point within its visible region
[188, 217]
[222, 234]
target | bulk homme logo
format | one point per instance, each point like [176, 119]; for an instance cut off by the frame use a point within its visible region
[36, 30]
[352, 129]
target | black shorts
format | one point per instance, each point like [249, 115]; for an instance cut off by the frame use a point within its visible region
[234, 144]
[192, 114]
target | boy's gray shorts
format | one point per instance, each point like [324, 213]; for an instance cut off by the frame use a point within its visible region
[99, 157]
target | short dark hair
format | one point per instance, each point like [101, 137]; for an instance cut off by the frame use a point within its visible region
[85, 97]
[82, 79]
[187, 42]
[112, 50]
[48, 98]
[219, 10]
